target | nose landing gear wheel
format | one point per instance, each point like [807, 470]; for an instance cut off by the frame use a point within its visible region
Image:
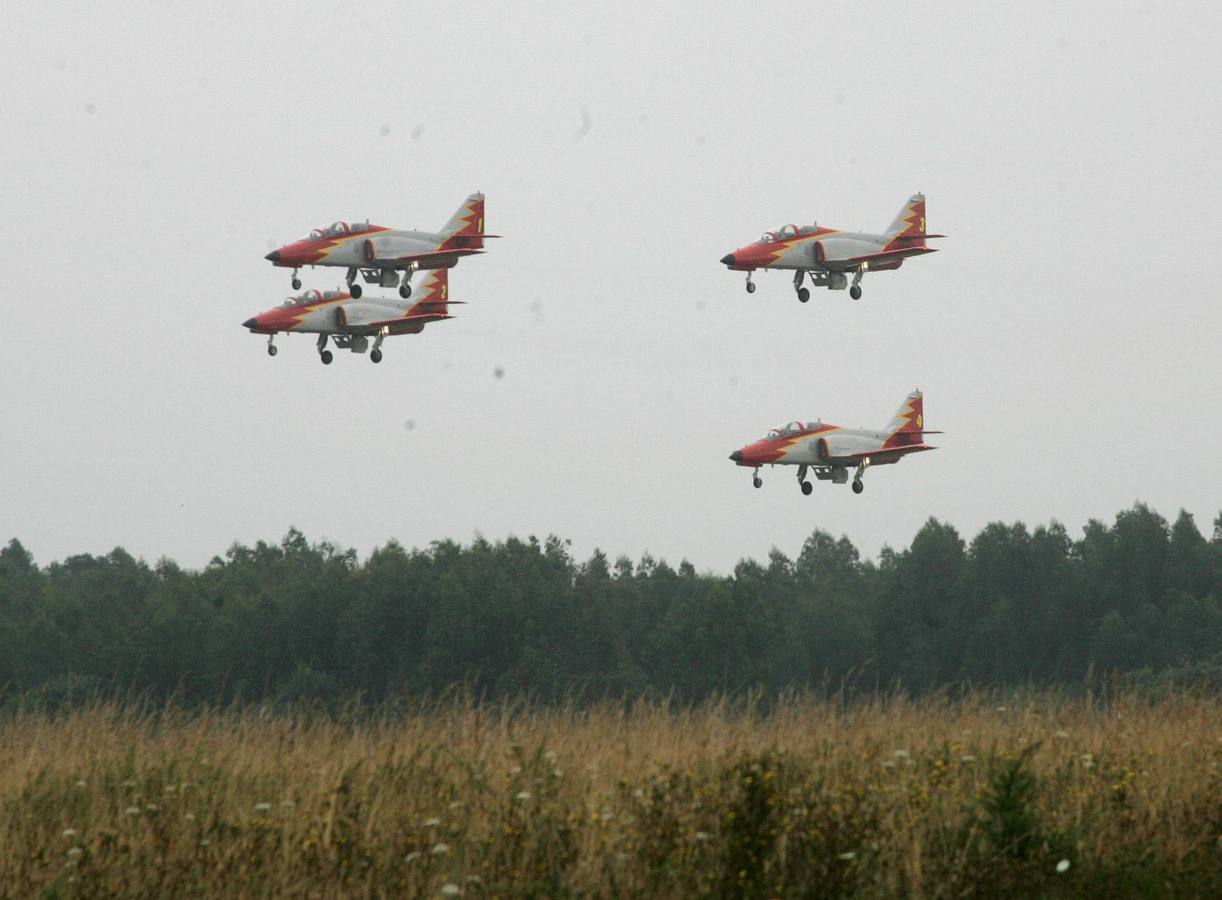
[405, 290]
[271, 350]
[355, 291]
[803, 295]
[296, 284]
[375, 356]
[750, 287]
[807, 487]
[757, 481]
[326, 357]
[855, 293]
[858, 487]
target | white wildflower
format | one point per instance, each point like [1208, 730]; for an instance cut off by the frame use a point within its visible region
[81, 783]
[432, 823]
[515, 770]
[263, 807]
[75, 853]
[450, 890]
[847, 856]
[190, 817]
[557, 773]
[412, 857]
[457, 804]
[888, 764]
[967, 758]
[441, 849]
[1063, 867]
[900, 754]
[133, 810]
[522, 795]
[69, 833]
[152, 807]
[550, 756]
[1001, 709]
[205, 842]
[703, 836]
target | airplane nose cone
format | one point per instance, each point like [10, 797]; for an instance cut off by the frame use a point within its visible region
[728, 259]
[737, 456]
[274, 256]
[250, 323]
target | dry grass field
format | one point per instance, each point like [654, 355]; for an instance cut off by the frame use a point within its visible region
[1040, 796]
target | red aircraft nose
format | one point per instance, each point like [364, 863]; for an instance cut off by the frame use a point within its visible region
[737, 456]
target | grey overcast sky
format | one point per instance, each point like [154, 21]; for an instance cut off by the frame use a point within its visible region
[1068, 338]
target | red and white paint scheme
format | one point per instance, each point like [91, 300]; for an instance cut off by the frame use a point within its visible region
[350, 322]
[379, 254]
[829, 255]
[830, 450]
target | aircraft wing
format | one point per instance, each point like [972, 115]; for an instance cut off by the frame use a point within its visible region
[892, 451]
[422, 257]
[888, 255]
[408, 320]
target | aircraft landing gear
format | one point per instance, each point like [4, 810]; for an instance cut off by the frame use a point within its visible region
[323, 353]
[750, 283]
[756, 481]
[296, 282]
[354, 289]
[803, 293]
[271, 347]
[375, 355]
[858, 486]
[806, 486]
[855, 288]
[405, 288]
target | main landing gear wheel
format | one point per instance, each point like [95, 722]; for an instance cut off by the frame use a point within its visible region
[803, 295]
[405, 290]
[271, 350]
[326, 357]
[855, 293]
[375, 356]
[296, 284]
[858, 487]
[355, 291]
[807, 487]
[757, 481]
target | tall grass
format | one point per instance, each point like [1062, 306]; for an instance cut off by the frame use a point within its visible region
[1041, 795]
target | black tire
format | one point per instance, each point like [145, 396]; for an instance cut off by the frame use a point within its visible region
[355, 291]
[375, 356]
[405, 290]
[807, 487]
[858, 487]
[271, 350]
[296, 284]
[326, 357]
[750, 287]
[757, 482]
[855, 292]
[803, 295]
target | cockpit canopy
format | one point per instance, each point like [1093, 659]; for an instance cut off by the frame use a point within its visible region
[305, 298]
[792, 429]
[337, 229]
[786, 233]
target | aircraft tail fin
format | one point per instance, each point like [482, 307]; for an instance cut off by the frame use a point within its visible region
[466, 227]
[908, 228]
[434, 294]
[907, 426]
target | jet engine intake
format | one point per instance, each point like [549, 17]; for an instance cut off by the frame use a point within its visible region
[820, 253]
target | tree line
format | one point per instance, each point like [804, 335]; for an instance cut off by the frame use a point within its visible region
[300, 621]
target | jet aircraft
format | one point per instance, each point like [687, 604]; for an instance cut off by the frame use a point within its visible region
[379, 253]
[830, 451]
[829, 255]
[350, 322]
